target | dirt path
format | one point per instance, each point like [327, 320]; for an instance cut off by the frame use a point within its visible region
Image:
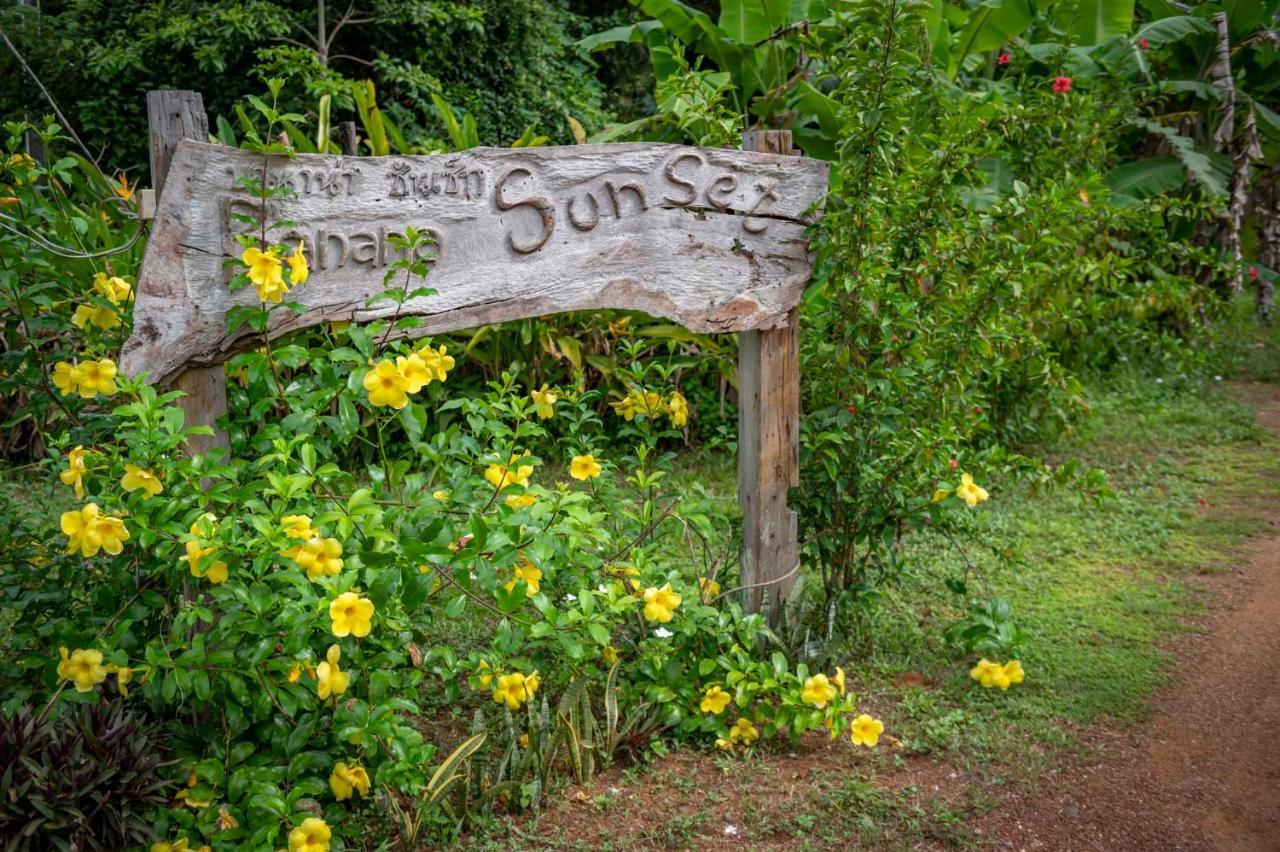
[1204, 772]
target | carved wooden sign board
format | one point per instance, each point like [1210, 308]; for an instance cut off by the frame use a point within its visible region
[714, 239]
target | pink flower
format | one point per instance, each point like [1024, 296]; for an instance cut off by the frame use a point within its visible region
[1003, 58]
[1253, 272]
[1143, 44]
[1062, 85]
[953, 463]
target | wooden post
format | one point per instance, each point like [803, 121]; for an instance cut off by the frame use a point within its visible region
[175, 115]
[769, 443]
[348, 139]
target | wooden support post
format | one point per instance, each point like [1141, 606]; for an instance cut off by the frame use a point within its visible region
[769, 443]
[348, 139]
[175, 115]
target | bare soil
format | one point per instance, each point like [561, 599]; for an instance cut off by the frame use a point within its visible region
[1204, 772]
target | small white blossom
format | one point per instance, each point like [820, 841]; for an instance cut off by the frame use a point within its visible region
[1159, 381]
[1217, 378]
[663, 633]
[731, 830]
[570, 598]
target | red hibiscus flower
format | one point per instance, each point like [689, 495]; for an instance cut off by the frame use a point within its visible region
[1003, 58]
[1062, 85]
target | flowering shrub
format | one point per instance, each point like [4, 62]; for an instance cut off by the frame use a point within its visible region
[284, 613]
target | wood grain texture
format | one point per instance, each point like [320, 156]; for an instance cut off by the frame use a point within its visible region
[174, 116]
[712, 239]
[768, 445]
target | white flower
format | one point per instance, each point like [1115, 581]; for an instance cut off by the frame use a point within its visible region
[570, 598]
[731, 830]
[1159, 381]
[1217, 378]
[663, 633]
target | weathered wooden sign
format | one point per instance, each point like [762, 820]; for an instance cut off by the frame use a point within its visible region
[713, 239]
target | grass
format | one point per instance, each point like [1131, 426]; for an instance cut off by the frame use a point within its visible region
[1101, 591]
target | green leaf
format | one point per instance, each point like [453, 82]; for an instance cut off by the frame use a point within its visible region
[1092, 22]
[1145, 178]
[1168, 30]
[753, 21]
[990, 25]
[599, 633]
[630, 34]
[1207, 174]
[445, 776]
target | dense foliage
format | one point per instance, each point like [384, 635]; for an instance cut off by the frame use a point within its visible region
[508, 63]
[492, 521]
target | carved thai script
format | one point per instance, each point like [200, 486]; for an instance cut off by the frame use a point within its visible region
[302, 182]
[466, 181]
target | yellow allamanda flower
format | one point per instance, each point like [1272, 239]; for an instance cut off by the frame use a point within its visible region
[298, 270]
[970, 492]
[74, 474]
[838, 680]
[267, 274]
[352, 615]
[123, 674]
[485, 675]
[331, 680]
[866, 731]
[66, 377]
[88, 531]
[646, 403]
[319, 557]
[417, 374]
[515, 688]
[437, 361]
[660, 603]
[714, 700]
[112, 288]
[94, 377]
[386, 385]
[527, 571]
[312, 836]
[678, 409]
[521, 501]
[709, 587]
[818, 691]
[1013, 671]
[215, 573]
[82, 667]
[138, 479]
[584, 467]
[100, 316]
[348, 779]
[609, 655]
[544, 402]
[501, 475]
[743, 731]
[991, 674]
[297, 526]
